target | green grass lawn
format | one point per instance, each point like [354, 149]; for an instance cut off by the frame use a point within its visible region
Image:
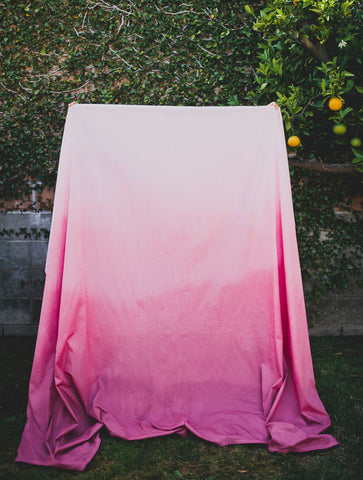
[338, 370]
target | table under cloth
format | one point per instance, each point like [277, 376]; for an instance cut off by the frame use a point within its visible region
[173, 298]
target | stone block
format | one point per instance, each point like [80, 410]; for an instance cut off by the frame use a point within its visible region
[38, 254]
[15, 311]
[21, 283]
[14, 255]
[36, 309]
[336, 315]
[342, 310]
[356, 311]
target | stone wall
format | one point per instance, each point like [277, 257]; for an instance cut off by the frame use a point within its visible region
[23, 248]
[337, 314]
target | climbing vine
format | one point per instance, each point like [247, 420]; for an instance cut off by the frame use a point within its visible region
[130, 52]
[330, 247]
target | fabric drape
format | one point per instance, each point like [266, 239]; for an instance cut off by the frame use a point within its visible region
[173, 298]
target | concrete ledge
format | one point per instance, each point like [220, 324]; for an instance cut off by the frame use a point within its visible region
[336, 331]
[316, 331]
[28, 330]
[18, 220]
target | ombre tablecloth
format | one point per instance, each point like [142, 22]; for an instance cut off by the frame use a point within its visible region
[173, 297]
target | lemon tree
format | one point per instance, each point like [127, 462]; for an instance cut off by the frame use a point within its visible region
[309, 62]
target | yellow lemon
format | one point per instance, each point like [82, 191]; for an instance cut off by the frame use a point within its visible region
[293, 141]
[335, 103]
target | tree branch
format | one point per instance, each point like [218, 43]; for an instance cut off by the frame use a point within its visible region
[318, 50]
[318, 166]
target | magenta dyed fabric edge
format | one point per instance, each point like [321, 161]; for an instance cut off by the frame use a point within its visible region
[173, 298]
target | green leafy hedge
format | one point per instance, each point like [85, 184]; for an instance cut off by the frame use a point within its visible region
[193, 53]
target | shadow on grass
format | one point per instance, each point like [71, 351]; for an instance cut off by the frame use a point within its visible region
[338, 370]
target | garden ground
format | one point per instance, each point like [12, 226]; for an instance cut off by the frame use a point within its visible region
[338, 369]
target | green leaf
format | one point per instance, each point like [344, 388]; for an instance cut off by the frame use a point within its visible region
[357, 153]
[250, 10]
[349, 86]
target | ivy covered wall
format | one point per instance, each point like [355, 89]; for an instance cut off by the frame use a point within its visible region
[162, 53]
[132, 52]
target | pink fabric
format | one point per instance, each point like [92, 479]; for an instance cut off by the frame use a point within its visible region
[173, 296]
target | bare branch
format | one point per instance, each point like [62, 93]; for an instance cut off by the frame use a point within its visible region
[122, 59]
[178, 13]
[12, 91]
[25, 88]
[108, 7]
[318, 166]
[210, 53]
[121, 24]
[72, 90]
[84, 19]
[166, 93]
[198, 62]
[78, 35]
[46, 75]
